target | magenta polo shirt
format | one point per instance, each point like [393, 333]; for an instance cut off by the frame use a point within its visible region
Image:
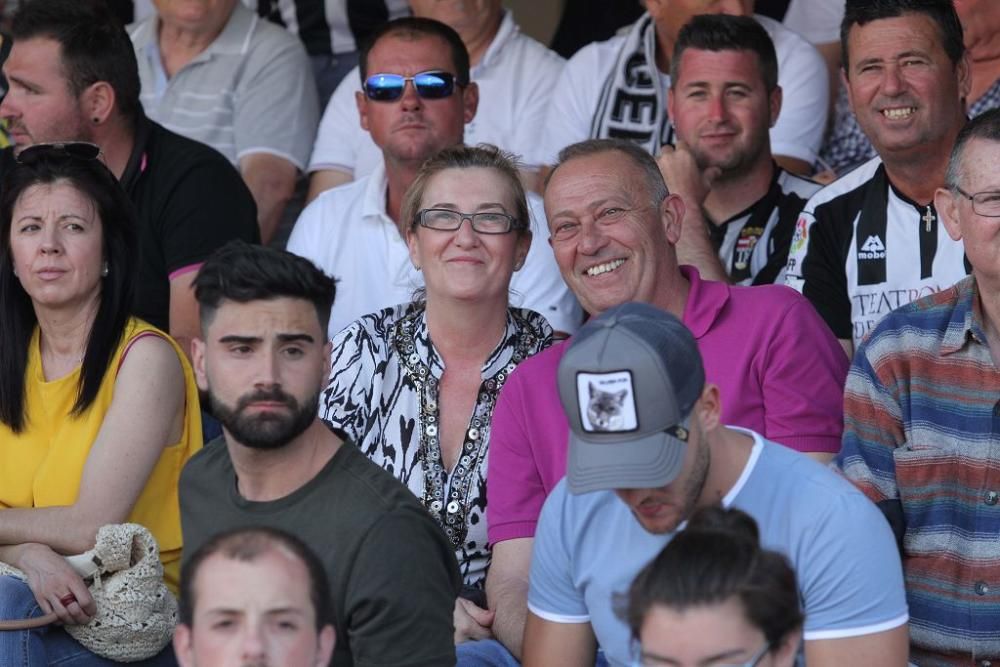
[779, 370]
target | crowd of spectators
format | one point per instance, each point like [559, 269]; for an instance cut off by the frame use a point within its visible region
[409, 341]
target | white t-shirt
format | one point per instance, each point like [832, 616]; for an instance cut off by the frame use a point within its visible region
[348, 234]
[816, 20]
[802, 76]
[516, 76]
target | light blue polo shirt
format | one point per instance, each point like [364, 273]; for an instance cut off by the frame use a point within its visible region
[589, 547]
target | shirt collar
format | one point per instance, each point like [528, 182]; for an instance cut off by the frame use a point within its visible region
[966, 322]
[706, 299]
[234, 39]
[505, 34]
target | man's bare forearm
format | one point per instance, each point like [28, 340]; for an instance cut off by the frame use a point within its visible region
[509, 600]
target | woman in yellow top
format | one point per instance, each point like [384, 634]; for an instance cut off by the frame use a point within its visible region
[98, 410]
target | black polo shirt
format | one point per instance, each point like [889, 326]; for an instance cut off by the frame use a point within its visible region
[189, 200]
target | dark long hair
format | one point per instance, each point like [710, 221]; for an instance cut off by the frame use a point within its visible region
[92, 179]
[716, 558]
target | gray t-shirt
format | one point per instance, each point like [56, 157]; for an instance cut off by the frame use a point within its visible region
[393, 575]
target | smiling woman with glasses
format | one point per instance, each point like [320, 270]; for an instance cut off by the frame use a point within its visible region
[415, 385]
[714, 598]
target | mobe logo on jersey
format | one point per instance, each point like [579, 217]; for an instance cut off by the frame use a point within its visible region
[872, 249]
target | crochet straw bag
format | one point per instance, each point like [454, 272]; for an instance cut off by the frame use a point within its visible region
[136, 614]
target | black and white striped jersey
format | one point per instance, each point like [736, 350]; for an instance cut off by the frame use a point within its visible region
[753, 244]
[329, 27]
[861, 249]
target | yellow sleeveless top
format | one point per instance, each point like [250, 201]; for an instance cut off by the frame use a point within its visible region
[42, 466]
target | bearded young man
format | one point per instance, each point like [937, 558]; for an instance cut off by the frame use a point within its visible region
[262, 360]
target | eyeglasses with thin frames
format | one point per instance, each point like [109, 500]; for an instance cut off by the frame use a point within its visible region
[642, 660]
[986, 204]
[447, 220]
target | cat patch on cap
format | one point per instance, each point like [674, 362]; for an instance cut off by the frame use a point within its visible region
[607, 402]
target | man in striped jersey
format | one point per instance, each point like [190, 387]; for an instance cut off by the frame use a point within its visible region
[723, 101]
[922, 424]
[870, 241]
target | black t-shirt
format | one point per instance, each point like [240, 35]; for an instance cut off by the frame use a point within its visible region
[189, 201]
[393, 575]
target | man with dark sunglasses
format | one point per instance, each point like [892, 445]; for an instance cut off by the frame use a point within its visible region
[416, 101]
[516, 76]
[73, 78]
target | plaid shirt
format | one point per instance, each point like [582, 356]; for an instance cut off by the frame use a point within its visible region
[846, 146]
[922, 432]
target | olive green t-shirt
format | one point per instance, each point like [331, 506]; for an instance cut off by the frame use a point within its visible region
[393, 575]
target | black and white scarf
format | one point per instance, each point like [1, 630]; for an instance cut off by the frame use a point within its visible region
[633, 103]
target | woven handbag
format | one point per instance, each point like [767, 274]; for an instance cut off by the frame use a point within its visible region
[136, 614]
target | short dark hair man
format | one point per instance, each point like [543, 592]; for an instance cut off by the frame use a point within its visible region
[263, 359]
[871, 241]
[617, 88]
[254, 595]
[73, 77]
[724, 98]
[920, 416]
[353, 231]
[632, 480]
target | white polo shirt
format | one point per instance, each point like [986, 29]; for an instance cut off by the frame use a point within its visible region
[250, 91]
[516, 76]
[802, 76]
[348, 234]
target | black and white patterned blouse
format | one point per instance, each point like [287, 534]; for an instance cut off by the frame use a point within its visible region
[383, 393]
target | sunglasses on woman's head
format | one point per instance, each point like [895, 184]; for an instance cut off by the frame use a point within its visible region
[430, 85]
[83, 150]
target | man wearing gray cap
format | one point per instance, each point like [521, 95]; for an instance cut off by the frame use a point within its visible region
[646, 449]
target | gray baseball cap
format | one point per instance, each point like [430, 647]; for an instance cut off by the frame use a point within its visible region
[628, 381]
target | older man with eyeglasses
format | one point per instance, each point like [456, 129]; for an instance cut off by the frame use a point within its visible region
[921, 416]
[417, 98]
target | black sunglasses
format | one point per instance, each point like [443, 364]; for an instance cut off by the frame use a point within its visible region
[83, 150]
[430, 85]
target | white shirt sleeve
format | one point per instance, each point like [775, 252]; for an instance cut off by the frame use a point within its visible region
[306, 239]
[816, 20]
[552, 595]
[803, 78]
[340, 131]
[535, 75]
[539, 285]
[573, 101]
[264, 121]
